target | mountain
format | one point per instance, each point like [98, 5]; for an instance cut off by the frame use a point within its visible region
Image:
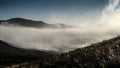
[105, 54]
[23, 22]
[30, 23]
[13, 55]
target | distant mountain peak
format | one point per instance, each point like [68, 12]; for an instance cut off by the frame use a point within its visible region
[22, 19]
[23, 22]
[18, 18]
[31, 23]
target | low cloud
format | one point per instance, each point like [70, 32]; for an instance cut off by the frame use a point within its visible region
[51, 39]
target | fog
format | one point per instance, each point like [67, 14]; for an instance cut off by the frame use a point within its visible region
[69, 38]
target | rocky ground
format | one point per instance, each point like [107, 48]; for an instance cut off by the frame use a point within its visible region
[100, 55]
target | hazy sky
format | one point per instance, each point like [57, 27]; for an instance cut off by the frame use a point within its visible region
[51, 10]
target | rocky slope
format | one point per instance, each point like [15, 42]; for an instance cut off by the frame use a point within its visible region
[100, 55]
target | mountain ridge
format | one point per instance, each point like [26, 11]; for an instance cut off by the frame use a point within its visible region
[31, 23]
[23, 22]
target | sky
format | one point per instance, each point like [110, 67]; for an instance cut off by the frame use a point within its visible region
[51, 11]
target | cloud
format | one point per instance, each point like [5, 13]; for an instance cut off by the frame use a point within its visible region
[51, 39]
[110, 15]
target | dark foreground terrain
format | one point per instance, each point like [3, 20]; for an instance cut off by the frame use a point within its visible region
[10, 55]
[104, 54]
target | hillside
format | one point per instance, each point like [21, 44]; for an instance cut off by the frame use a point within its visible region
[12, 55]
[104, 54]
